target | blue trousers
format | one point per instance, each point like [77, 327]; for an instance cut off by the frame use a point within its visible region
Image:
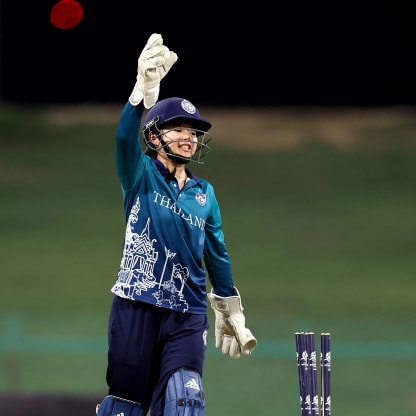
[147, 344]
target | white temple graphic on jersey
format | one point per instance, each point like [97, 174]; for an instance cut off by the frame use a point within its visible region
[136, 273]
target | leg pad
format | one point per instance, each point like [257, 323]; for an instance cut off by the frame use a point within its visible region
[184, 394]
[116, 406]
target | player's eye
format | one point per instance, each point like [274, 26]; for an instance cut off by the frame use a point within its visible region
[185, 130]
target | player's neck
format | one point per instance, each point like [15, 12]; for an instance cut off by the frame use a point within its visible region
[171, 166]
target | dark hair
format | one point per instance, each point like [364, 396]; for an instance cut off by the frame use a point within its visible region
[151, 152]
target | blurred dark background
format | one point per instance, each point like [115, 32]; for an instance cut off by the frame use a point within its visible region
[254, 55]
[318, 203]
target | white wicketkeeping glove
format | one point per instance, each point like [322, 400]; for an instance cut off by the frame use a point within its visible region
[154, 63]
[231, 334]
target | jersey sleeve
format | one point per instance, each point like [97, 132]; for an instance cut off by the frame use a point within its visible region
[128, 152]
[216, 258]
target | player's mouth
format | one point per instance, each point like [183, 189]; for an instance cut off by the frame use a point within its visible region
[185, 147]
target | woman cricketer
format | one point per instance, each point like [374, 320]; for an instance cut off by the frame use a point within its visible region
[158, 325]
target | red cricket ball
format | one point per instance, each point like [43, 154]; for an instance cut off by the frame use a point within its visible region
[66, 14]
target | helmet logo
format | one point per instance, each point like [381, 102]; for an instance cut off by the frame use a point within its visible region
[188, 107]
[151, 123]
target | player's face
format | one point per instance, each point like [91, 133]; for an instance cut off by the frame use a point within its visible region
[181, 138]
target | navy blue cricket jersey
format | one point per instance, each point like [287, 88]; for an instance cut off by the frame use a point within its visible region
[173, 237]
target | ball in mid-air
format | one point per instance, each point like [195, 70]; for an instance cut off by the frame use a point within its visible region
[66, 14]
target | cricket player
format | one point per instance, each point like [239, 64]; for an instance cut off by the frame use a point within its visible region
[158, 325]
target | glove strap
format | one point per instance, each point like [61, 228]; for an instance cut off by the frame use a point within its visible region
[150, 96]
[228, 305]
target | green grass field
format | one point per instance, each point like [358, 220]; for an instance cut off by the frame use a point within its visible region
[319, 218]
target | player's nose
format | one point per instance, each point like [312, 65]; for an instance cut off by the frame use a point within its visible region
[186, 134]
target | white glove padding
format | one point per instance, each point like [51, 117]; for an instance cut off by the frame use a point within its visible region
[154, 63]
[231, 335]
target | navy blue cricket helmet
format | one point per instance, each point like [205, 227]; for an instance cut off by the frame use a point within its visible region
[176, 109]
[179, 110]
